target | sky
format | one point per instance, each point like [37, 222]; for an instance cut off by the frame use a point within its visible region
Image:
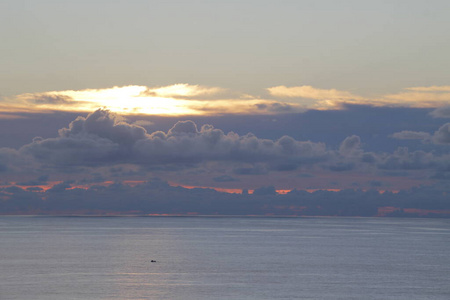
[229, 95]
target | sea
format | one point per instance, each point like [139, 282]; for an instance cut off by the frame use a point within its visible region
[223, 258]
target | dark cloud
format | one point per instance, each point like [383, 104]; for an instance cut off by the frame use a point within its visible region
[369, 157]
[441, 175]
[375, 183]
[12, 161]
[405, 160]
[278, 107]
[183, 128]
[34, 189]
[342, 166]
[52, 99]
[441, 136]
[103, 146]
[350, 146]
[102, 138]
[265, 191]
[60, 187]
[225, 178]
[373, 125]
[157, 197]
[395, 173]
[254, 170]
[305, 175]
[38, 181]
[94, 178]
[349, 155]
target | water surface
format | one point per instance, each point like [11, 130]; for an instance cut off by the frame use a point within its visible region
[223, 258]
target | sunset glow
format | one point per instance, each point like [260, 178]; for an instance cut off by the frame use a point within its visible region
[245, 102]
[224, 149]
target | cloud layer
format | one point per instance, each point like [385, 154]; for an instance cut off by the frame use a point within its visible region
[187, 99]
[157, 197]
[103, 138]
[434, 96]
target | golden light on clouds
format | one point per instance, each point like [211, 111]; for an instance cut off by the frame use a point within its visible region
[183, 90]
[185, 99]
[325, 99]
[127, 99]
[307, 91]
[174, 100]
[434, 88]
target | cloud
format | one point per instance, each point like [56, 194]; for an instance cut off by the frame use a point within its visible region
[102, 138]
[177, 99]
[402, 159]
[441, 112]
[342, 166]
[418, 99]
[183, 91]
[350, 146]
[197, 155]
[442, 136]
[323, 98]
[307, 91]
[434, 88]
[12, 161]
[225, 178]
[257, 169]
[265, 191]
[434, 96]
[275, 107]
[441, 175]
[375, 183]
[143, 123]
[411, 135]
[40, 180]
[48, 98]
[158, 197]
[187, 99]
[349, 155]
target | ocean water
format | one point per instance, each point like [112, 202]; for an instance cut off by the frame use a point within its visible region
[223, 258]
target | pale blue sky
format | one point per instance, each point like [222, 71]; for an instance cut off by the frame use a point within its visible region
[367, 47]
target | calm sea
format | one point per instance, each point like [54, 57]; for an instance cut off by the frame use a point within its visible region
[223, 258]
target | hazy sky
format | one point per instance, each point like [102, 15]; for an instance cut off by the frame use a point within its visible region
[226, 94]
[366, 47]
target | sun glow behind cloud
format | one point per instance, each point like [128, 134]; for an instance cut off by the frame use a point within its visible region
[174, 100]
[186, 99]
[127, 99]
